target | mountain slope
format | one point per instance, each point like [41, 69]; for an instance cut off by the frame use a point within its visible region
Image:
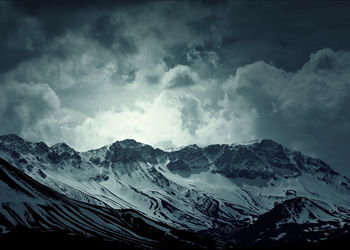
[28, 206]
[216, 190]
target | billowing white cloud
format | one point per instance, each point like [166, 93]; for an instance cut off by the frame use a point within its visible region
[171, 119]
[157, 123]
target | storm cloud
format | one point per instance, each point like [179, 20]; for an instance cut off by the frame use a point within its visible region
[176, 73]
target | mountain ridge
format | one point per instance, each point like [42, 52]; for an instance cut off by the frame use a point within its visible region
[217, 190]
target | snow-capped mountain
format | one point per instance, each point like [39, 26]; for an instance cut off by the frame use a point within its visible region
[219, 190]
[27, 206]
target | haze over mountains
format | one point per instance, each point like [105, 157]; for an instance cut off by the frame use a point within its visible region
[259, 193]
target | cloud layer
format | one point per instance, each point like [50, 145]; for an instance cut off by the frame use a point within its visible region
[170, 74]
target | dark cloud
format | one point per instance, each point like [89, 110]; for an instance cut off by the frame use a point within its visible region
[27, 26]
[103, 30]
[23, 105]
[283, 33]
[21, 37]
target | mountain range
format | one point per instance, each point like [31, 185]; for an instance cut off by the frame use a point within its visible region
[218, 196]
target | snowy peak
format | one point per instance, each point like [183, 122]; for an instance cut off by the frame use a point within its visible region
[268, 143]
[128, 151]
[62, 147]
[11, 138]
[129, 143]
[11, 141]
[270, 149]
[40, 147]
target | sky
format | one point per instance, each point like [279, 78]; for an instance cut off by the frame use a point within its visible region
[170, 74]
